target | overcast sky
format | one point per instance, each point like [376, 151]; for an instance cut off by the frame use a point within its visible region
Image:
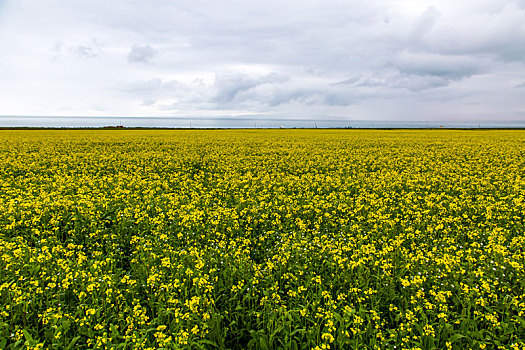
[384, 60]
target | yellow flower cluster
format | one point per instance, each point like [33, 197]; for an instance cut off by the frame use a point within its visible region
[264, 239]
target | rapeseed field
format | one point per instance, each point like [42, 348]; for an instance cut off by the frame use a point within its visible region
[262, 239]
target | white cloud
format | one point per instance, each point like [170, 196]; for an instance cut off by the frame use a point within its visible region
[379, 59]
[141, 53]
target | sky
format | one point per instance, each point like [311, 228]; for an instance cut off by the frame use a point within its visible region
[364, 60]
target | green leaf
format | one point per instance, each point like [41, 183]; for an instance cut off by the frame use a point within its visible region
[27, 335]
[264, 343]
[456, 337]
[297, 331]
[209, 342]
[73, 342]
[274, 333]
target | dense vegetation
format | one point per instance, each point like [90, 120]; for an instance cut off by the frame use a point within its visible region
[262, 239]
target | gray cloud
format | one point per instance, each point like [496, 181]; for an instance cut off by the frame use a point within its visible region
[147, 90]
[141, 53]
[143, 86]
[424, 24]
[58, 46]
[231, 87]
[379, 59]
[500, 32]
[452, 67]
[84, 51]
[89, 49]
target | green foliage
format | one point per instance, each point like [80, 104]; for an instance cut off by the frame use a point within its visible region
[271, 239]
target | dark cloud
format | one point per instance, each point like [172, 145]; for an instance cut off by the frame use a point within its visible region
[141, 53]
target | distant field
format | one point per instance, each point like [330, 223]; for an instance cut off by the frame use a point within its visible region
[263, 239]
